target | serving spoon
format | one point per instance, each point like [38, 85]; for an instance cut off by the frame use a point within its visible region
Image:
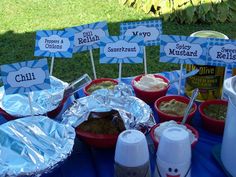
[187, 110]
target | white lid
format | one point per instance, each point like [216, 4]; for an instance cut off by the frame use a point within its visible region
[210, 34]
[230, 88]
[131, 149]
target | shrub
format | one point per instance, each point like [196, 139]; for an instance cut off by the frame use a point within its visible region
[188, 11]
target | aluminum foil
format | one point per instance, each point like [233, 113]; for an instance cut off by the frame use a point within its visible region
[33, 146]
[42, 101]
[135, 113]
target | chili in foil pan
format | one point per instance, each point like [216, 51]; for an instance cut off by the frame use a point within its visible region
[135, 113]
[33, 146]
[42, 101]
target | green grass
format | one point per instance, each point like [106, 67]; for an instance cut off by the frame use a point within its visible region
[20, 19]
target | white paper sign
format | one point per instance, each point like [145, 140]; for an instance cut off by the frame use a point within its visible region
[54, 43]
[148, 33]
[26, 77]
[226, 53]
[88, 37]
[183, 50]
[121, 49]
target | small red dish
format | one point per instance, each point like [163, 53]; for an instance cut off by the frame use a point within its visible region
[96, 82]
[6, 115]
[98, 140]
[156, 141]
[51, 114]
[166, 117]
[210, 123]
[149, 96]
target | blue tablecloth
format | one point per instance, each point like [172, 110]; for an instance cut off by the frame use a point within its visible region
[87, 161]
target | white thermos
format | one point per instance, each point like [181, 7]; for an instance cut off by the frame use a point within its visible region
[132, 155]
[228, 154]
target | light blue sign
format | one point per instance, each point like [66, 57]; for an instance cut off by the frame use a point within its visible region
[88, 36]
[58, 44]
[149, 30]
[221, 52]
[121, 49]
[25, 76]
[183, 49]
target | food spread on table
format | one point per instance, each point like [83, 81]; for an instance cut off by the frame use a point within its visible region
[106, 112]
[216, 111]
[173, 107]
[150, 83]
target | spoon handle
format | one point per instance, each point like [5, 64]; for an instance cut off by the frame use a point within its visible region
[187, 110]
[189, 74]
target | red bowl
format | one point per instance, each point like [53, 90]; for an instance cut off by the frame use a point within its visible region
[6, 115]
[97, 81]
[156, 141]
[211, 124]
[149, 96]
[166, 117]
[51, 114]
[98, 140]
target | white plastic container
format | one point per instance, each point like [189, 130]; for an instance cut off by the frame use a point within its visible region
[174, 153]
[228, 154]
[132, 155]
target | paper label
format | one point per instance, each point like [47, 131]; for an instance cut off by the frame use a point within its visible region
[121, 49]
[183, 49]
[149, 30]
[222, 52]
[88, 36]
[25, 76]
[54, 44]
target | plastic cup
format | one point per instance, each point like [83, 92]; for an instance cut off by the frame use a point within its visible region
[132, 155]
[174, 153]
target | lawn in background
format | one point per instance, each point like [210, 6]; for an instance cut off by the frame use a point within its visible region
[20, 19]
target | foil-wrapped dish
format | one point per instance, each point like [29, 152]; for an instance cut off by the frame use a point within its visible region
[135, 113]
[101, 129]
[99, 118]
[33, 146]
[17, 105]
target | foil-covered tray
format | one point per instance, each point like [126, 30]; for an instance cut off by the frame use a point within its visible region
[33, 146]
[135, 113]
[42, 101]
